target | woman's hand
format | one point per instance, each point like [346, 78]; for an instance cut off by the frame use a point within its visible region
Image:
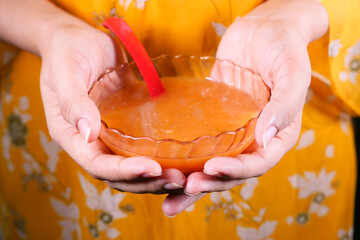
[272, 40]
[72, 59]
[74, 54]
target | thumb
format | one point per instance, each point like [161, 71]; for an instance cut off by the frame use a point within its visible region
[78, 109]
[286, 102]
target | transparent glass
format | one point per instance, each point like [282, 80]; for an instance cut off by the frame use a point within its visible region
[187, 156]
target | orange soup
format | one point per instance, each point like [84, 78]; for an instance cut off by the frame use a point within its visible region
[190, 108]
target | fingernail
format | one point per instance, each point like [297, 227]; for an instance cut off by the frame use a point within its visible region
[84, 127]
[268, 135]
[172, 186]
[149, 175]
[191, 194]
[215, 174]
[169, 216]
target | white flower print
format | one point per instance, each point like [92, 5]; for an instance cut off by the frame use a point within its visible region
[309, 95]
[110, 203]
[6, 142]
[70, 214]
[34, 172]
[102, 226]
[245, 205]
[235, 209]
[259, 218]
[125, 3]
[24, 103]
[51, 149]
[112, 233]
[66, 194]
[105, 201]
[343, 76]
[263, 232]
[7, 57]
[108, 206]
[345, 120]
[23, 107]
[306, 139]
[140, 4]
[16, 130]
[219, 28]
[190, 208]
[318, 208]
[15, 135]
[351, 64]
[8, 97]
[30, 166]
[311, 184]
[16, 218]
[224, 200]
[248, 188]
[334, 48]
[290, 220]
[216, 196]
[346, 235]
[318, 187]
[66, 211]
[109, 231]
[330, 151]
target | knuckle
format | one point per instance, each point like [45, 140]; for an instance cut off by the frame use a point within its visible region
[91, 169]
[110, 184]
[56, 133]
[121, 174]
[259, 174]
[66, 108]
[114, 185]
[288, 117]
[95, 175]
[261, 171]
[148, 188]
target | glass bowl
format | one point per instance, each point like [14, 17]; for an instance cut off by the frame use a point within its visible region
[187, 156]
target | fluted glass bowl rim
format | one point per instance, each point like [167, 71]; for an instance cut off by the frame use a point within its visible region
[197, 139]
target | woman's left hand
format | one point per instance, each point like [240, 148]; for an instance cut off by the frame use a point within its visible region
[272, 40]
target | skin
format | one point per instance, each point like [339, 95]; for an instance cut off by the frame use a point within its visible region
[271, 40]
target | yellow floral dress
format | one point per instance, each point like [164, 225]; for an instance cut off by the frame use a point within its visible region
[308, 195]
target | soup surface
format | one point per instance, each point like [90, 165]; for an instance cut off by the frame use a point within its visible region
[190, 108]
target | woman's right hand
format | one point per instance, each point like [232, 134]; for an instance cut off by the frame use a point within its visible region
[73, 57]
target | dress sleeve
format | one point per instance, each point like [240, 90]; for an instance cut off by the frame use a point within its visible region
[344, 50]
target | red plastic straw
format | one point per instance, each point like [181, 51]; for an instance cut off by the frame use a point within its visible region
[123, 31]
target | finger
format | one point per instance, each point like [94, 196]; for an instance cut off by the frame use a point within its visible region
[176, 203]
[200, 182]
[171, 181]
[97, 160]
[94, 157]
[287, 100]
[258, 162]
[71, 85]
